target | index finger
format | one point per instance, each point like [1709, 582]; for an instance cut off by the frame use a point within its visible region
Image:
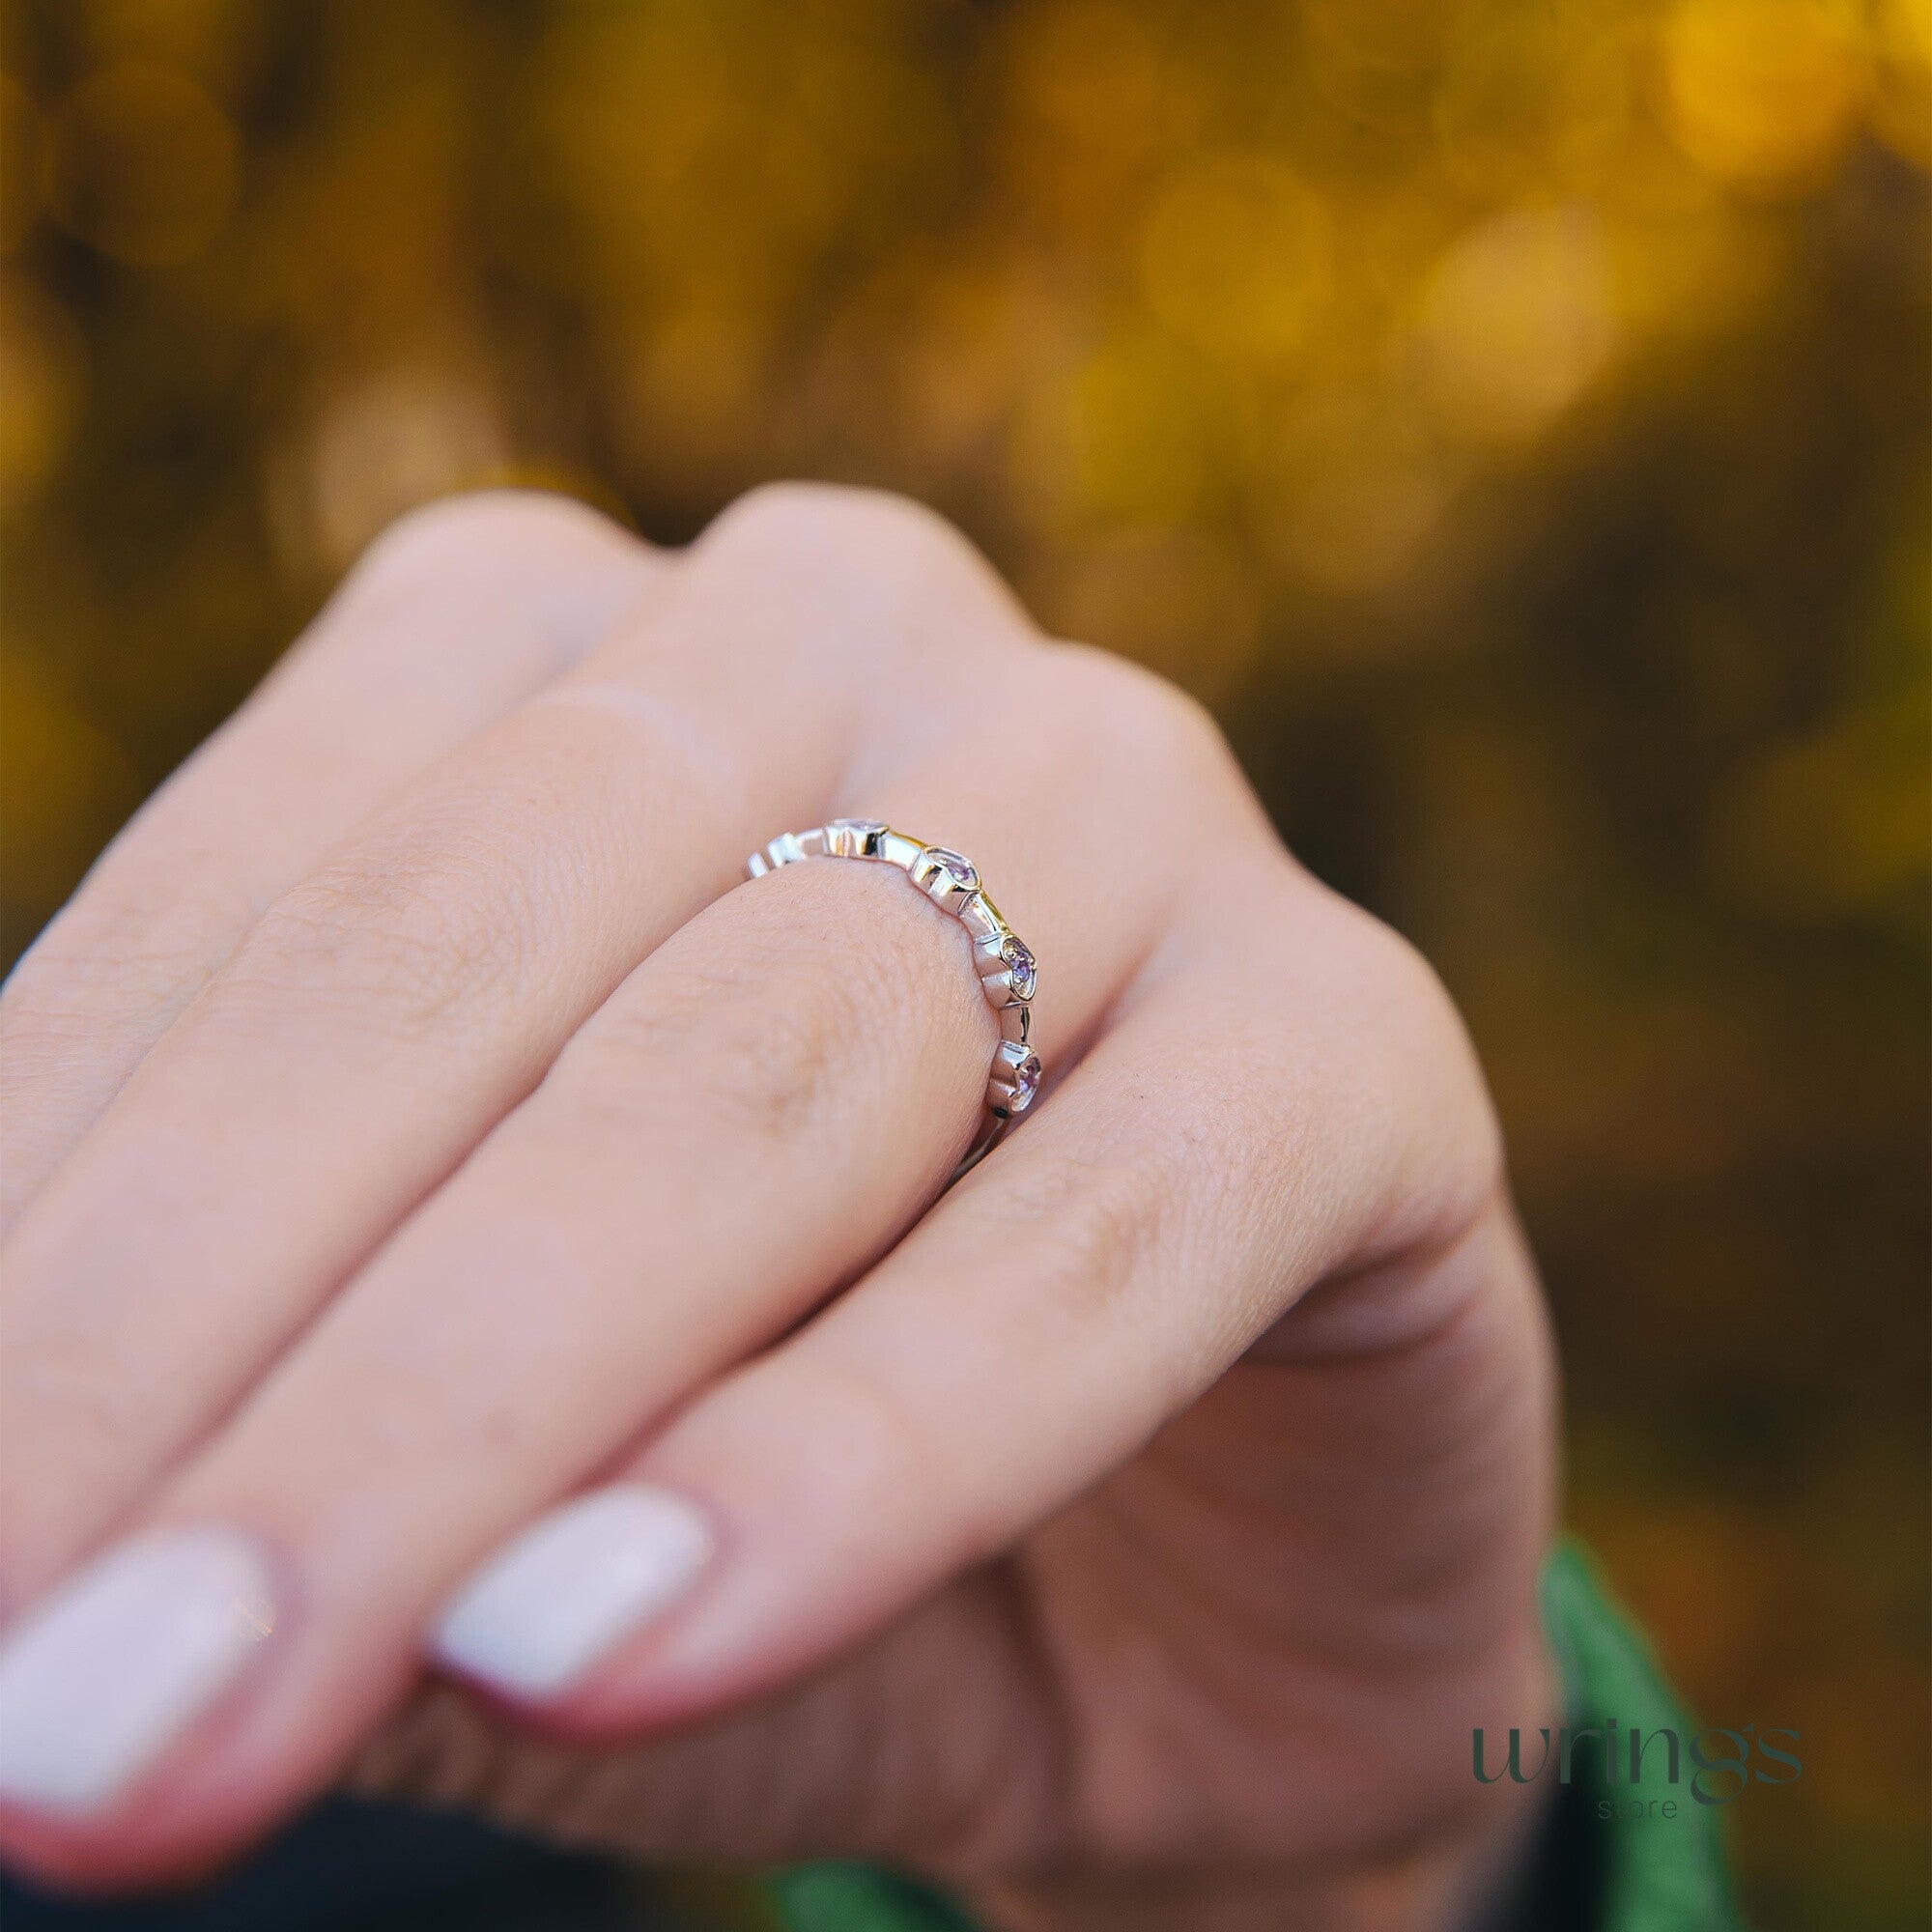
[389, 1009]
[453, 618]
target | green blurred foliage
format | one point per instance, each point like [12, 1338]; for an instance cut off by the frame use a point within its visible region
[1510, 415]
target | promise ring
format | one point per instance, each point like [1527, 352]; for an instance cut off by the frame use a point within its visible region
[1002, 958]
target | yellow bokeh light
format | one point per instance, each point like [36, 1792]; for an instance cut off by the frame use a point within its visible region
[1235, 256]
[1533, 94]
[19, 135]
[1088, 82]
[1761, 91]
[694, 388]
[140, 163]
[1901, 105]
[1182, 602]
[1354, 486]
[63, 782]
[388, 443]
[1516, 322]
[1131, 436]
[40, 379]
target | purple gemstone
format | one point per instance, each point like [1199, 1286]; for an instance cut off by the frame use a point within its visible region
[1026, 1082]
[1021, 963]
[959, 871]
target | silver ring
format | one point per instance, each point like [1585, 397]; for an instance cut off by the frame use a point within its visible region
[1003, 961]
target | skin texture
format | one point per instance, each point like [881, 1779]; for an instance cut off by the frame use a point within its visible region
[411, 1121]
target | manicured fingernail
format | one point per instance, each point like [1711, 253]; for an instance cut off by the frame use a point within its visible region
[576, 1584]
[101, 1678]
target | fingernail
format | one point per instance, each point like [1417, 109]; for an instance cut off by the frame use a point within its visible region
[570, 1587]
[101, 1678]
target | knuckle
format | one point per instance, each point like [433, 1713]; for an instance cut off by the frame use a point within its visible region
[885, 1445]
[502, 530]
[146, 940]
[1398, 969]
[1137, 718]
[813, 520]
[898, 572]
[747, 1067]
[1399, 981]
[78, 1396]
[765, 1069]
[1472, 1161]
[407, 945]
[1088, 1223]
[1409, 1041]
[754, 1015]
[80, 1399]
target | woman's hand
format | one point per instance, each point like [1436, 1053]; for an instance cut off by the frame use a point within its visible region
[413, 1126]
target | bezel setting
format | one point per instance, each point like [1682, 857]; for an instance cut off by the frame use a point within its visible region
[1008, 970]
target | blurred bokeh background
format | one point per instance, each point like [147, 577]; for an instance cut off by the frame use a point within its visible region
[1510, 414]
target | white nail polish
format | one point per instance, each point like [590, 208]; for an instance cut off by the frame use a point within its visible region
[552, 1602]
[98, 1680]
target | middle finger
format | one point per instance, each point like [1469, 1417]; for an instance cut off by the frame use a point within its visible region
[390, 1008]
[758, 1110]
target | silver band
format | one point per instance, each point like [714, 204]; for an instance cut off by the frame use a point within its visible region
[1003, 961]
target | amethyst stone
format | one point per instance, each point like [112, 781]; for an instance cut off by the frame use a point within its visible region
[1026, 1082]
[959, 871]
[1020, 965]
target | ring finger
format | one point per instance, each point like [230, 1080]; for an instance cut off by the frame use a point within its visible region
[388, 1009]
[814, 1045]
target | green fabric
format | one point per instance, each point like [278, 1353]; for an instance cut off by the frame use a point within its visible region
[861, 1898]
[1659, 1874]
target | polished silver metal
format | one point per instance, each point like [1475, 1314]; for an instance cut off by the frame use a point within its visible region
[1006, 965]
